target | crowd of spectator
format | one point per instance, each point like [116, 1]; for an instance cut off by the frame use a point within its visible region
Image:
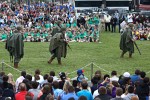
[141, 26]
[51, 87]
[39, 19]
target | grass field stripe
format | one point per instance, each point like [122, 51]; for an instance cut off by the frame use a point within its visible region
[148, 72]
[13, 67]
[101, 68]
[80, 68]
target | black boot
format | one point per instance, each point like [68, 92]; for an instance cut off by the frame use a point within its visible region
[130, 55]
[50, 61]
[16, 65]
[122, 55]
[59, 62]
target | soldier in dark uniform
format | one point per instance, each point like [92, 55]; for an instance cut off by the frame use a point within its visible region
[126, 42]
[15, 46]
[58, 46]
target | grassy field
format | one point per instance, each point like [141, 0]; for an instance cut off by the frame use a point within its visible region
[105, 55]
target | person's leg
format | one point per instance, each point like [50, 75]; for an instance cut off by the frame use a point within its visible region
[130, 54]
[112, 28]
[52, 58]
[16, 61]
[59, 61]
[122, 54]
[119, 28]
[105, 26]
[109, 26]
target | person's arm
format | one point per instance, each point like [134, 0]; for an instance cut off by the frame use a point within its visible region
[102, 84]
[113, 95]
[61, 39]
[130, 37]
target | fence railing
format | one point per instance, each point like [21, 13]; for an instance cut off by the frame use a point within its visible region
[91, 65]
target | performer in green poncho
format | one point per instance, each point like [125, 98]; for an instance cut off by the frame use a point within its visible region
[126, 42]
[15, 46]
[58, 46]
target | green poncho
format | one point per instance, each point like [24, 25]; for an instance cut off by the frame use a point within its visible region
[126, 43]
[58, 45]
[15, 45]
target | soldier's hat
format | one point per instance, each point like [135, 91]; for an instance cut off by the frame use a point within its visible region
[19, 28]
[131, 25]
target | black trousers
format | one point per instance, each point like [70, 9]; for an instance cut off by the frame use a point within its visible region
[113, 28]
[119, 27]
[107, 25]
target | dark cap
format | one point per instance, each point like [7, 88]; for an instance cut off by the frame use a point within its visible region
[62, 75]
[79, 72]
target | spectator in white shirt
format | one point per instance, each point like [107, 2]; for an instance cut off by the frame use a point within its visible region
[130, 18]
[114, 76]
[37, 77]
[107, 22]
[71, 19]
[52, 74]
[29, 23]
[20, 79]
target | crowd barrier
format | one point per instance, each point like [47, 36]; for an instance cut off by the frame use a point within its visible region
[91, 65]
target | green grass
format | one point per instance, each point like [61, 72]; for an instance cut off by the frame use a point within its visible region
[106, 55]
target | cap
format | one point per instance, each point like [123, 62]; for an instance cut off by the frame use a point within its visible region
[80, 71]
[62, 75]
[126, 74]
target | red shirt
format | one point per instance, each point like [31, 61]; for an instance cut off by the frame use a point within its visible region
[21, 95]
